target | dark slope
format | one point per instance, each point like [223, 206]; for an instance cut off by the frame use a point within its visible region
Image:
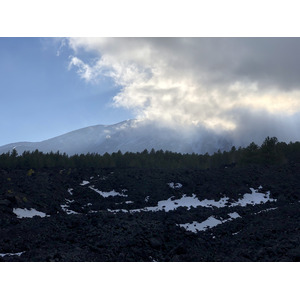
[263, 232]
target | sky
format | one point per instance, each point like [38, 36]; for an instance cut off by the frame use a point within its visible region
[41, 97]
[247, 88]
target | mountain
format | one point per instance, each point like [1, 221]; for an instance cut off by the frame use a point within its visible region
[131, 136]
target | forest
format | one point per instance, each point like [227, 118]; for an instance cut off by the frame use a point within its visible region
[270, 152]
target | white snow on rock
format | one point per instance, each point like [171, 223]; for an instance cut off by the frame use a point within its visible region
[174, 185]
[66, 209]
[212, 203]
[129, 202]
[112, 193]
[28, 213]
[265, 210]
[192, 201]
[11, 254]
[234, 215]
[208, 223]
[117, 210]
[84, 182]
[69, 201]
[196, 226]
[254, 198]
[70, 191]
[184, 201]
[167, 205]
[235, 233]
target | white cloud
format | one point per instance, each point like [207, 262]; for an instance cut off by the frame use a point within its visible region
[197, 81]
[83, 70]
[63, 43]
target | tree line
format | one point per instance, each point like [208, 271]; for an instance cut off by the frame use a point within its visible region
[268, 153]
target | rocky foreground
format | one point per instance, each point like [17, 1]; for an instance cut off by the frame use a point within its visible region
[225, 214]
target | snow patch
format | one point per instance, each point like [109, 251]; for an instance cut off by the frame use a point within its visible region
[28, 213]
[234, 215]
[174, 185]
[69, 201]
[265, 210]
[235, 233]
[84, 182]
[70, 191]
[196, 226]
[208, 223]
[170, 204]
[184, 201]
[112, 193]
[192, 201]
[66, 209]
[254, 198]
[117, 210]
[11, 254]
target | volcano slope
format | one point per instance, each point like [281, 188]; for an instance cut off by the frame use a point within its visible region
[226, 214]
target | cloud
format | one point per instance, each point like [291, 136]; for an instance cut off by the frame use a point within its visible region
[63, 43]
[209, 82]
[83, 70]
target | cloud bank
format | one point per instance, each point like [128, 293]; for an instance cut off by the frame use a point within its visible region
[245, 88]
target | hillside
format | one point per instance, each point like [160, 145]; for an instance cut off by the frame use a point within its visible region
[240, 212]
[127, 136]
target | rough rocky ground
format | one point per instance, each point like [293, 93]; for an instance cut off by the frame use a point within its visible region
[82, 224]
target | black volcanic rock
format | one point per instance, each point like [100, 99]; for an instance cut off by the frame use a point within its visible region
[264, 232]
